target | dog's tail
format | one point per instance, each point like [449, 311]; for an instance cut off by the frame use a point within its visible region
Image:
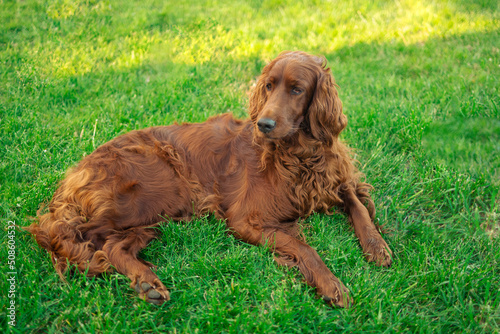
[59, 231]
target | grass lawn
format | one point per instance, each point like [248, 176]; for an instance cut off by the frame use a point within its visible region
[420, 83]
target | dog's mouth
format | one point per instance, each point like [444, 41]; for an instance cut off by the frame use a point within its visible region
[278, 133]
[272, 130]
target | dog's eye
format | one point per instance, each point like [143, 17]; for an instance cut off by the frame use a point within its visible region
[269, 86]
[297, 91]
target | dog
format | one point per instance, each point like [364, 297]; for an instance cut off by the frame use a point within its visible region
[261, 175]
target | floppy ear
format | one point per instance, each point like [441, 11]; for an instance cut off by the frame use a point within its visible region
[258, 98]
[324, 116]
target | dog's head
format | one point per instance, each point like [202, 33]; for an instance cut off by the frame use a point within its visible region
[296, 92]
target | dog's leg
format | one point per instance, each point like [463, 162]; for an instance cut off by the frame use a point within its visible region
[293, 252]
[122, 249]
[374, 246]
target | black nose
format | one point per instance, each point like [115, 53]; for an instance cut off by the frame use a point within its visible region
[266, 125]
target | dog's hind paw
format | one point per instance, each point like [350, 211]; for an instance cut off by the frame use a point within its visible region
[335, 293]
[154, 293]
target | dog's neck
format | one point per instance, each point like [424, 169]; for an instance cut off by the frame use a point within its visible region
[303, 164]
[292, 153]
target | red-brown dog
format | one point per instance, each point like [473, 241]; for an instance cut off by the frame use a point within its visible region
[261, 175]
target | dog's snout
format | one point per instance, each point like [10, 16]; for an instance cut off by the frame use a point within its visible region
[266, 125]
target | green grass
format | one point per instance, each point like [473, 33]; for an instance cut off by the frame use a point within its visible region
[420, 85]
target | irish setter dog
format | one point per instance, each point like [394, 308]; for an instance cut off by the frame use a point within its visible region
[261, 175]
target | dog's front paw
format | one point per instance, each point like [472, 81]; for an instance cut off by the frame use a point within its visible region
[335, 293]
[153, 292]
[376, 250]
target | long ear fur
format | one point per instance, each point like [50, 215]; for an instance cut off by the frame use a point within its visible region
[258, 98]
[325, 117]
